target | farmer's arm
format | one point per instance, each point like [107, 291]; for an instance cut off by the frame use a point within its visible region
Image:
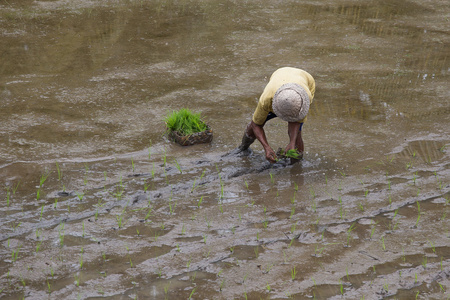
[257, 131]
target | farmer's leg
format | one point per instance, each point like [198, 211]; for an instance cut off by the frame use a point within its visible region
[299, 141]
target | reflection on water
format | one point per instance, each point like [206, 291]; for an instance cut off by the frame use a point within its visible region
[72, 76]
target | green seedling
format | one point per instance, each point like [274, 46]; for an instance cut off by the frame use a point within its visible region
[119, 219]
[418, 213]
[185, 122]
[43, 178]
[352, 227]
[292, 212]
[42, 211]
[15, 254]
[132, 165]
[293, 273]
[59, 171]
[178, 166]
[61, 234]
[424, 261]
[361, 207]
[256, 250]
[188, 264]
[80, 195]
[383, 244]
[200, 202]
[432, 246]
[81, 260]
[192, 293]
[341, 287]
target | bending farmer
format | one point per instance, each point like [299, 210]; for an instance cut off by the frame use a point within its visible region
[288, 96]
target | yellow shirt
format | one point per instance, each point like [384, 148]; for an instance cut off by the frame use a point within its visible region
[278, 78]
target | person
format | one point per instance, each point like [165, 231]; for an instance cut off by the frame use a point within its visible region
[288, 95]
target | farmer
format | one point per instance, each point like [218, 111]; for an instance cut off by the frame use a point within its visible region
[288, 95]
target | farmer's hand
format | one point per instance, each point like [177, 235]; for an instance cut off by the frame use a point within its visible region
[270, 155]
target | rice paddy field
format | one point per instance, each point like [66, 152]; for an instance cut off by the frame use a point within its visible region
[97, 203]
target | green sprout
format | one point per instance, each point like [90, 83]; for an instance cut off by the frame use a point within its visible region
[185, 122]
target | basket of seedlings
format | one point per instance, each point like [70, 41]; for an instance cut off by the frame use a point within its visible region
[293, 155]
[187, 128]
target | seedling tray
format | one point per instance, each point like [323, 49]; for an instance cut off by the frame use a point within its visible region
[195, 138]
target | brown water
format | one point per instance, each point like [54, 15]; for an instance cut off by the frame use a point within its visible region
[85, 86]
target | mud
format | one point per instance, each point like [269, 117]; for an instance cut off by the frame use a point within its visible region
[98, 203]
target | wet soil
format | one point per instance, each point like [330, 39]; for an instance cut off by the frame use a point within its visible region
[97, 202]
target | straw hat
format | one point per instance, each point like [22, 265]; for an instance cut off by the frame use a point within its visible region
[291, 102]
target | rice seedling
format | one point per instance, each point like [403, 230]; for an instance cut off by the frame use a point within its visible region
[293, 227]
[178, 166]
[383, 244]
[352, 227]
[293, 273]
[43, 178]
[292, 212]
[185, 122]
[80, 195]
[77, 280]
[59, 171]
[432, 246]
[15, 254]
[313, 205]
[15, 227]
[341, 287]
[256, 250]
[42, 211]
[192, 293]
[119, 219]
[424, 261]
[268, 287]
[164, 157]
[199, 202]
[61, 234]
[361, 207]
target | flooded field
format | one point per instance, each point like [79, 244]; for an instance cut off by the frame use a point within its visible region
[96, 202]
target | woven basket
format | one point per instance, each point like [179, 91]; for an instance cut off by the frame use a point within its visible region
[195, 138]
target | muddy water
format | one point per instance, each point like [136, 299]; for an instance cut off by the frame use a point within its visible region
[96, 202]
